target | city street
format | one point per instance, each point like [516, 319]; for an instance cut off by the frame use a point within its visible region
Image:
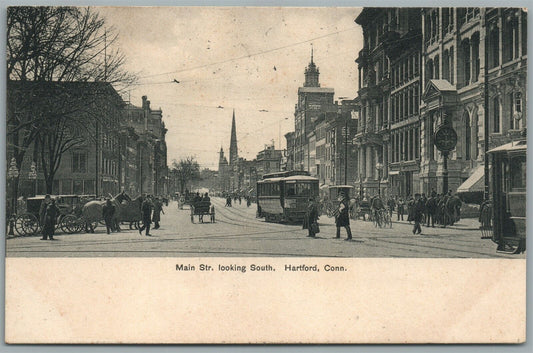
[238, 233]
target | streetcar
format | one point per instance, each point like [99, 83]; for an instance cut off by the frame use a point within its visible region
[283, 196]
[509, 196]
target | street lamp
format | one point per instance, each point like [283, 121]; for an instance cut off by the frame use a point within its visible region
[379, 167]
[12, 175]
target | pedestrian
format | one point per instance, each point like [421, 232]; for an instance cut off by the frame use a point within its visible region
[311, 218]
[108, 212]
[248, 201]
[418, 212]
[146, 210]
[158, 209]
[42, 208]
[391, 205]
[410, 209]
[342, 219]
[401, 208]
[431, 209]
[424, 199]
[49, 224]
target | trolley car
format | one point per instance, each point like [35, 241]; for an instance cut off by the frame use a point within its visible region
[509, 196]
[283, 196]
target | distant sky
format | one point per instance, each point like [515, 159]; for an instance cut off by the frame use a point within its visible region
[248, 59]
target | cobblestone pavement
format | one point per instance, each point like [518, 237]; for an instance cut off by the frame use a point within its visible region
[238, 233]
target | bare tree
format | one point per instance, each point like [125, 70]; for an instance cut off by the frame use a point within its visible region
[55, 44]
[186, 170]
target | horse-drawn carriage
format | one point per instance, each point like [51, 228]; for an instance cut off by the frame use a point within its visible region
[68, 220]
[202, 208]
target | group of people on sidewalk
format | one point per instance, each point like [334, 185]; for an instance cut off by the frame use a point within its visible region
[443, 209]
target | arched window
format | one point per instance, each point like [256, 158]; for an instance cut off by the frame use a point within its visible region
[429, 70]
[494, 47]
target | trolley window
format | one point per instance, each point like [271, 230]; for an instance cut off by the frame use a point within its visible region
[269, 189]
[518, 173]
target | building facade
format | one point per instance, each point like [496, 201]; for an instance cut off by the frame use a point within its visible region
[423, 68]
[313, 101]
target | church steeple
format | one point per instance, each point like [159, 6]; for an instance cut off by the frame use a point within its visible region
[233, 151]
[311, 73]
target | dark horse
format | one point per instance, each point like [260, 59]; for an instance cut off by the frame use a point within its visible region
[92, 211]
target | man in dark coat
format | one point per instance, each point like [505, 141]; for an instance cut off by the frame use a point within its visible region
[431, 209]
[311, 216]
[343, 217]
[42, 209]
[108, 212]
[418, 213]
[52, 211]
[158, 209]
[146, 211]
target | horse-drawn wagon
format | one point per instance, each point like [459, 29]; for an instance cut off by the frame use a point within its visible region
[28, 223]
[202, 208]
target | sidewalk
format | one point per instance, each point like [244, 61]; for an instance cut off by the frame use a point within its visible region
[463, 224]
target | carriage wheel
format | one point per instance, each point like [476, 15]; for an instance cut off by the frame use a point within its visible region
[26, 224]
[70, 224]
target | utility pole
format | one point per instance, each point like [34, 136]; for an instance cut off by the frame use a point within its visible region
[486, 114]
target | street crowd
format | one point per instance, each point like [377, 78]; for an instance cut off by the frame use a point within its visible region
[437, 209]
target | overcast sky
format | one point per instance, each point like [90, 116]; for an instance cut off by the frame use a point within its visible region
[248, 59]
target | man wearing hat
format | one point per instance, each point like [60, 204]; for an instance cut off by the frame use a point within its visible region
[343, 217]
[418, 213]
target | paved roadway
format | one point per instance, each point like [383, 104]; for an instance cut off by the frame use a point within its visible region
[238, 233]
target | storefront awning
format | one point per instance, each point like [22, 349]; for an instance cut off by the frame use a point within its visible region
[475, 182]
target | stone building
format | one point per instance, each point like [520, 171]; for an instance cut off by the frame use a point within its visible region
[148, 125]
[421, 68]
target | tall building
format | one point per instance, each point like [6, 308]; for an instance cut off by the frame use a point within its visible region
[152, 171]
[475, 68]
[313, 101]
[421, 68]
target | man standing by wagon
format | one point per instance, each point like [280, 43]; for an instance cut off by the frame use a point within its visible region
[42, 209]
[146, 211]
[50, 216]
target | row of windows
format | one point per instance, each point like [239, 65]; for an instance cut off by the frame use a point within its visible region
[432, 19]
[109, 166]
[405, 103]
[405, 145]
[405, 70]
